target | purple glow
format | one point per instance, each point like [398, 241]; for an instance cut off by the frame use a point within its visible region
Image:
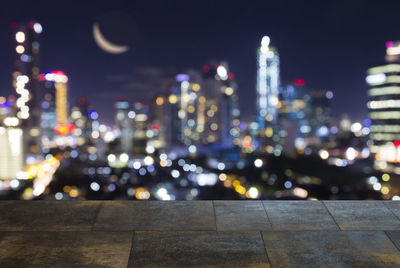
[182, 77]
[242, 125]
[389, 44]
[367, 122]
[5, 104]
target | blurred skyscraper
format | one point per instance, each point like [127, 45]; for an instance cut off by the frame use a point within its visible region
[384, 108]
[305, 117]
[219, 105]
[54, 105]
[188, 103]
[268, 84]
[292, 117]
[140, 122]
[159, 122]
[11, 157]
[203, 107]
[319, 117]
[124, 125]
[25, 82]
[80, 118]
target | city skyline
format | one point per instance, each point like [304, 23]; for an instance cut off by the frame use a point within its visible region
[102, 76]
[169, 121]
[227, 106]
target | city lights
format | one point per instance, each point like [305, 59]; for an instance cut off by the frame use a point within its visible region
[389, 68]
[111, 158]
[190, 132]
[324, 154]
[37, 27]
[20, 49]
[375, 79]
[384, 91]
[11, 121]
[258, 163]
[253, 192]
[20, 37]
[351, 153]
[222, 72]
[148, 160]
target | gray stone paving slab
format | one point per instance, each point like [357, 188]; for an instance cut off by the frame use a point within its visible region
[326, 249]
[241, 215]
[65, 249]
[198, 249]
[362, 215]
[100, 250]
[48, 215]
[183, 234]
[34, 249]
[156, 215]
[299, 215]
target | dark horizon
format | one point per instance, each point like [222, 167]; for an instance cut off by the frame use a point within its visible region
[330, 45]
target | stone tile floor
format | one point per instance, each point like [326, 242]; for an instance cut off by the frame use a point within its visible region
[199, 234]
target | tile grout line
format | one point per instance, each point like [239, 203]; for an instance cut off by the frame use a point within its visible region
[391, 240]
[97, 216]
[130, 260]
[199, 230]
[215, 216]
[333, 218]
[265, 248]
[390, 210]
[266, 213]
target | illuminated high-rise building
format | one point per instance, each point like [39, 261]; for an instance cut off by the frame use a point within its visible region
[140, 116]
[123, 124]
[304, 118]
[268, 82]
[203, 107]
[26, 63]
[384, 108]
[11, 153]
[189, 87]
[293, 117]
[11, 140]
[218, 105]
[319, 119]
[184, 126]
[81, 120]
[173, 124]
[158, 123]
[54, 104]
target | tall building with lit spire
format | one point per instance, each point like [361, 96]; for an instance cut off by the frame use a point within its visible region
[268, 82]
[268, 85]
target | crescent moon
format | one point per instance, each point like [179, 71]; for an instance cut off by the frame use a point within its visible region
[106, 45]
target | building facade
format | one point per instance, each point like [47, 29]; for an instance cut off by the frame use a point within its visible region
[268, 85]
[384, 108]
[26, 64]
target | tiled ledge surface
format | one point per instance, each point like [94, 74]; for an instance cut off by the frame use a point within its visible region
[199, 233]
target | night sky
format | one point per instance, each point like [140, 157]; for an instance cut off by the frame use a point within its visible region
[328, 43]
